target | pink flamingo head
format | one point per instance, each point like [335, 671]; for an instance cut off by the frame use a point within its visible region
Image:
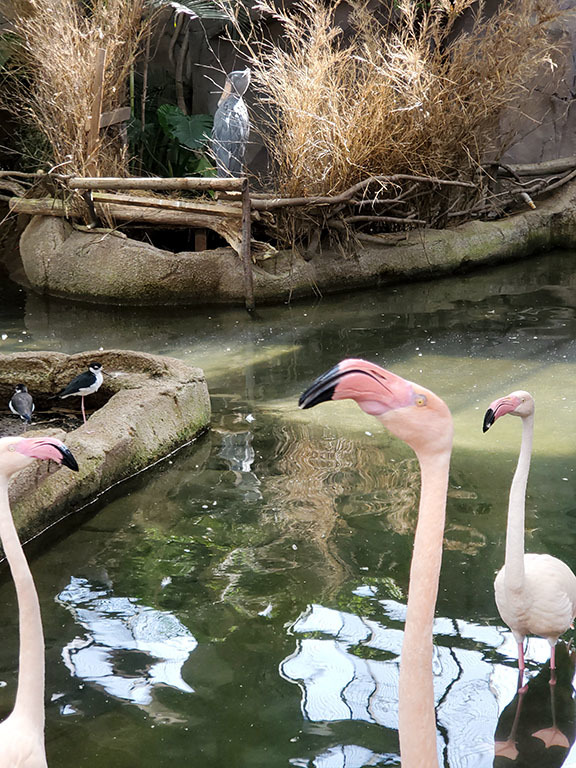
[411, 412]
[519, 403]
[17, 452]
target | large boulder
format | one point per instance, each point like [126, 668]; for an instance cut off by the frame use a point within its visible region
[146, 408]
[101, 268]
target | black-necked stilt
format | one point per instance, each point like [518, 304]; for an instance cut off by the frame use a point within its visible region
[84, 384]
[21, 403]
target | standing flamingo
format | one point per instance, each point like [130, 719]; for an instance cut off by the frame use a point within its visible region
[423, 421]
[535, 594]
[22, 733]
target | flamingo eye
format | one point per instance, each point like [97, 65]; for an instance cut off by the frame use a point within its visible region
[421, 400]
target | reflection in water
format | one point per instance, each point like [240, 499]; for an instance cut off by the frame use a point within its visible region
[352, 674]
[345, 756]
[538, 727]
[128, 649]
[238, 453]
[323, 481]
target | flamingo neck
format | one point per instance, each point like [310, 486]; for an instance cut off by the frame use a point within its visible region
[30, 694]
[417, 721]
[514, 561]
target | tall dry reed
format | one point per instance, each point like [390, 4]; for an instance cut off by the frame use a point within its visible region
[419, 93]
[52, 90]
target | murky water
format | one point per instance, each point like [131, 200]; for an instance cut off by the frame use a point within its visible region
[242, 604]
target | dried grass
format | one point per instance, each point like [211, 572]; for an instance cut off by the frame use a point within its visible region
[52, 91]
[408, 96]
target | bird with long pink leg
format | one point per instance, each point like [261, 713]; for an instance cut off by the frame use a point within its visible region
[535, 594]
[422, 420]
[22, 732]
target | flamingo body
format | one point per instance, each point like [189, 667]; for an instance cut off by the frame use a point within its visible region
[545, 605]
[22, 732]
[535, 594]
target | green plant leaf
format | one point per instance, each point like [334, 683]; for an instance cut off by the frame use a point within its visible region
[190, 131]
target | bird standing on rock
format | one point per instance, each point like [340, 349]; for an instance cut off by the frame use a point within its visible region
[84, 384]
[22, 404]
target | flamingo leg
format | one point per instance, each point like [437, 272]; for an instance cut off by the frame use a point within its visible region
[521, 664]
[508, 747]
[553, 736]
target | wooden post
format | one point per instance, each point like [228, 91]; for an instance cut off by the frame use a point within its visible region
[200, 239]
[97, 97]
[245, 247]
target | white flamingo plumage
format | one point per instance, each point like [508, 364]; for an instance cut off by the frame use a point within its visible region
[535, 594]
[22, 732]
[423, 421]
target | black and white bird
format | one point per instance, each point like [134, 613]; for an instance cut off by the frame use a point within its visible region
[22, 404]
[84, 384]
[231, 127]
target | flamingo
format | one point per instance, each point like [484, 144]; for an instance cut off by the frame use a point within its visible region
[535, 594]
[22, 732]
[422, 420]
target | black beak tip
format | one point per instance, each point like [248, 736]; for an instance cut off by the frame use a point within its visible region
[321, 389]
[68, 459]
[488, 420]
[313, 396]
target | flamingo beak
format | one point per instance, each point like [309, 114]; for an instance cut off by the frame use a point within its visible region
[489, 419]
[47, 448]
[499, 408]
[375, 389]
[68, 459]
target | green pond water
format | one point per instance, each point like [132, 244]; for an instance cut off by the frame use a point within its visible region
[242, 603]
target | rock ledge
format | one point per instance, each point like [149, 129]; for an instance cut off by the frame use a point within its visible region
[150, 406]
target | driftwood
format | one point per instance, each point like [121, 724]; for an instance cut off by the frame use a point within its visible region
[144, 182]
[545, 168]
[227, 226]
[268, 204]
[245, 247]
[379, 202]
[192, 206]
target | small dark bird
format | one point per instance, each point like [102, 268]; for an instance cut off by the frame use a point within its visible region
[22, 404]
[231, 125]
[84, 384]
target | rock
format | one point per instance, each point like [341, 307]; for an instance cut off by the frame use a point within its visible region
[149, 407]
[60, 261]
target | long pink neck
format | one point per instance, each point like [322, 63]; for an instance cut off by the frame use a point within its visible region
[30, 693]
[514, 561]
[417, 721]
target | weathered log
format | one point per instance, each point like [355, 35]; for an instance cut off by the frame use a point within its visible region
[210, 207]
[545, 168]
[144, 182]
[230, 228]
[245, 249]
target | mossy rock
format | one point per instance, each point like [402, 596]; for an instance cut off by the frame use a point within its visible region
[146, 408]
[60, 261]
